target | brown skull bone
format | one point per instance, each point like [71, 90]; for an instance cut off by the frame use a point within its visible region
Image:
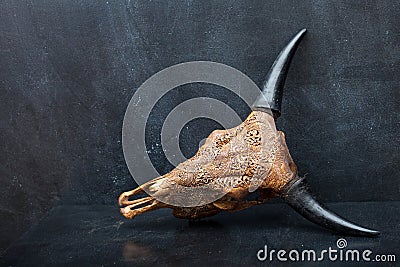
[232, 163]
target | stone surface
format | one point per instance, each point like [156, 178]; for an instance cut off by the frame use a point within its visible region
[99, 236]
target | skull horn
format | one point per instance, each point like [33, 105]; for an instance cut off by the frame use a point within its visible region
[300, 199]
[271, 96]
[296, 193]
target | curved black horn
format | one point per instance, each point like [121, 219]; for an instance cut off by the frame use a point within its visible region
[296, 194]
[271, 96]
[300, 199]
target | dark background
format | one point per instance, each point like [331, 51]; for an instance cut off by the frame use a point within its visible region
[69, 68]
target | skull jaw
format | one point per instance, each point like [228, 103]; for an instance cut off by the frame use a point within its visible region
[231, 202]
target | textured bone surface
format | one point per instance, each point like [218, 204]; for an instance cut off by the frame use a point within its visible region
[231, 164]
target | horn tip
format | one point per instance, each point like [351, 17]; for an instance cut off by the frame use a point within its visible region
[301, 33]
[371, 232]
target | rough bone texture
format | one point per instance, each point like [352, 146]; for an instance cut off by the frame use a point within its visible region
[231, 164]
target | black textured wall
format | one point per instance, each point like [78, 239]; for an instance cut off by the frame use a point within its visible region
[69, 68]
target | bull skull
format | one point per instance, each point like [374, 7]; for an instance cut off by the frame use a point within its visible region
[235, 162]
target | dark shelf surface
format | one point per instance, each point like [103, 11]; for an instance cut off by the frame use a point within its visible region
[98, 235]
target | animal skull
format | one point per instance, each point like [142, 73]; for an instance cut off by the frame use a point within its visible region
[235, 164]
